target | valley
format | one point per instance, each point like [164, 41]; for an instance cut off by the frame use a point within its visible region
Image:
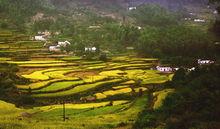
[109, 64]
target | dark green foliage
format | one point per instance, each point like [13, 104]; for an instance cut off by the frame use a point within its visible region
[194, 105]
[3, 25]
[146, 119]
[154, 15]
[103, 57]
[176, 42]
[21, 57]
[26, 100]
[18, 12]
[42, 25]
[179, 76]
[8, 79]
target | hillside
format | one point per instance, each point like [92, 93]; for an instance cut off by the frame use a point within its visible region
[108, 64]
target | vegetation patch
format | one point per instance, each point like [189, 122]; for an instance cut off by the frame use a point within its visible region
[96, 78]
[35, 62]
[71, 58]
[50, 73]
[57, 86]
[78, 89]
[160, 96]
[100, 96]
[47, 65]
[82, 106]
[38, 75]
[113, 73]
[95, 67]
[130, 82]
[140, 89]
[155, 80]
[132, 65]
[4, 59]
[108, 93]
[116, 92]
[120, 87]
[59, 74]
[147, 76]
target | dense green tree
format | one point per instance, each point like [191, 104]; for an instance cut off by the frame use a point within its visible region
[8, 79]
[154, 15]
[193, 105]
[168, 41]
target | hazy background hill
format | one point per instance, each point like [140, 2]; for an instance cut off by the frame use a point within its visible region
[22, 14]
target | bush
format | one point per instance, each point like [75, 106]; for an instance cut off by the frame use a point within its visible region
[21, 57]
[26, 100]
[103, 57]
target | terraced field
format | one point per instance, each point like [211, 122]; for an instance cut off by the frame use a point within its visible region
[71, 75]
[80, 116]
[97, 94]
[89, 76]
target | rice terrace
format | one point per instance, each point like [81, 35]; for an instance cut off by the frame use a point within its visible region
[105, 91]
[120, 64]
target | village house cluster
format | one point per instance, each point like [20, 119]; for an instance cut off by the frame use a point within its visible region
[90, 49]
[167, 69]
[193, 17]
[44, 36]
[57, 48]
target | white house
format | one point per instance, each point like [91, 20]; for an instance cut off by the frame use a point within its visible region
[45, 33]
[199, 20]
[130, 48]
[39, 38]
[191, 13]
[54, 49]
[63, 44]
[57, 47]
[164, 69]
[90, 49]
[139, 28]
[187, 19]
[94, 27]
[192, 69]
[94, 49]
[132, 8]
[204, 62]
[215, 12]
[176, 69]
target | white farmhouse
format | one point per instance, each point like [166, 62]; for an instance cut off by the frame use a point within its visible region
[58, 46]
[215, 12]
[90, 49]
[39, 38]
[64, 44]
[199, 20]
[191, 69]
[187, 19]
[94, 27]
[139, 28]
[130, 48]
[94, 49]
[54, 49]
[132, 8]
[204, 62]
[176, 69]
[164, 69]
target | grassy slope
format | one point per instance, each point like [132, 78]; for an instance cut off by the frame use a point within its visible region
[78, 89]
[160, 97]
[80, 116]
